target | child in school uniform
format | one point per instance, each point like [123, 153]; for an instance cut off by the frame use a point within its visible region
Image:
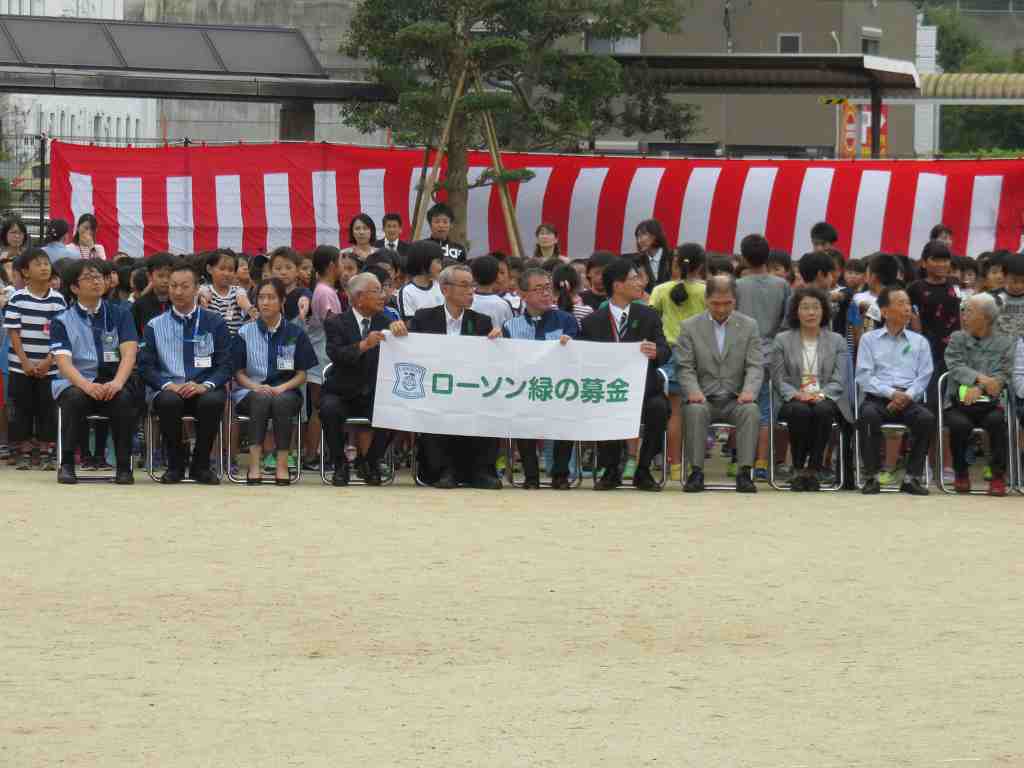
[222, 295]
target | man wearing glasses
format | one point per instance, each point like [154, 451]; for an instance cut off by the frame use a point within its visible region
[452, 461]
[541, 321]
[95, 346]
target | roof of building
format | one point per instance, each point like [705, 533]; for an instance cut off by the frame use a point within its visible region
[839, 74]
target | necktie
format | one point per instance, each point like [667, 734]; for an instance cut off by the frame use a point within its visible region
[623, 323]
[366, 326]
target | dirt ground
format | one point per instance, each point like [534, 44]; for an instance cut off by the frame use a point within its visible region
[382, 627]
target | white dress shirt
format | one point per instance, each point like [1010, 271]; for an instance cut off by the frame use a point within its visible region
[454, 323]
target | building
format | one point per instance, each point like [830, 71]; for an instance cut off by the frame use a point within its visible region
[775, 124]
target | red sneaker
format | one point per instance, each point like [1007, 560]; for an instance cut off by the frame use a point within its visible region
[997, 486]
[962, 483]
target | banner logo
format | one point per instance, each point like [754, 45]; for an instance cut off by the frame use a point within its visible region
[409, 381]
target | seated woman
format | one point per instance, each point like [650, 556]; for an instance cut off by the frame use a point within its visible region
[809, 373]
[271, 357]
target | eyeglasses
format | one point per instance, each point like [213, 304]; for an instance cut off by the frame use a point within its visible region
[540, 289]
[462, 285]
[93, 277]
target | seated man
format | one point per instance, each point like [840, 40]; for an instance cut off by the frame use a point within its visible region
[95, 346]
[721, 366]
[353, 345]
[894, 366]
[540, 321]
[622, 319]
[185, 362]
[448, 460]
[980, 364]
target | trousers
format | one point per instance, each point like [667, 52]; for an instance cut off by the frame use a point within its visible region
[335, 411]
[697, 417]
[207, 409]
[654, 418]
[280, 410]
[916, 417]
[75, 406]
[963, 419]
[810, 426]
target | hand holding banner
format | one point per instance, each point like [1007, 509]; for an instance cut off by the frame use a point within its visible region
[466, 385]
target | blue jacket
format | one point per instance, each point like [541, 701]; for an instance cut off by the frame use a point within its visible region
[177, 350]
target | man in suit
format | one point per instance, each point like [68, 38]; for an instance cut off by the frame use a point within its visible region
[353, 346]
[623, 320]
[186, 361]
[721, 367]
[392, 240]
[448, 460]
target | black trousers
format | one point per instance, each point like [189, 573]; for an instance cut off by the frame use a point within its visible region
[654, 418]
[559, 463]
[75, 406]
[207, 409]
[916, 417]
[335, 411]
[810, 427]
[34, 412]
[281, 410]
[963, 419]
[465, 457]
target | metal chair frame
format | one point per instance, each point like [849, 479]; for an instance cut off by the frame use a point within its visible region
[940, 441]
[858, 474]
[389, 454]
[840, 475]
[664, 448]
[151, 438]
[105, 478]
[232, 416]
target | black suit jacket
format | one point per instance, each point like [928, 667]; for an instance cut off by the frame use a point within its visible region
[644, 325]
[402, 245]
[643, 261]
[354, 373]
[433, 320]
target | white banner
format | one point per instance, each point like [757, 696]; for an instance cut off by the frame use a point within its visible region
[468, 385]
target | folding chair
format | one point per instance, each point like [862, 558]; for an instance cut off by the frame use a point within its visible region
[104, 478]
[152, 437]
[575, 479]
[232, 416]
[858, 476]
[838, 455]
[664, 448]
[940, 441]
[389, 454]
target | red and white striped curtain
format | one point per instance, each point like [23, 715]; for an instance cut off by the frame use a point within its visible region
[256, 197]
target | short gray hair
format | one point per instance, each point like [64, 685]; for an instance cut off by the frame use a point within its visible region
[720, 284]
[361, 283]
[447, 276]
[987, 303]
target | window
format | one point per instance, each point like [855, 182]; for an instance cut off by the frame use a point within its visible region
[870, 46]
[96, 127]
[620, 45]
[789, 42]
[71, 131]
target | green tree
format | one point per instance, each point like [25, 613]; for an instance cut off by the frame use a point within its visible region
[542, 93]
[960, 49]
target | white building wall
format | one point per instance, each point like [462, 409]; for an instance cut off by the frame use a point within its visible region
[926, 116]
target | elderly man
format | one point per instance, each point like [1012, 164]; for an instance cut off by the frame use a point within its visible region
[353, 345]
[540, 321]
[894, 366]
[449, 461]
[721, 366]
[980, 364]
[626, 320]
[185, 362]
[95, 344]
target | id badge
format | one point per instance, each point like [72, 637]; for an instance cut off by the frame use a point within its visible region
[204, 350]
[286, 358]
[554, 335]
[111, 349]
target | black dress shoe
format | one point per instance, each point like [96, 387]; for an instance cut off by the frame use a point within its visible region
[695, 482]
[531, 484]
[486, 483]
[66, 474]
[644, 481]
[446, 481]
[204, 477]
[341, 475]
[914, 487]
[811, 484]
[798, 484]
[371, 473]
[172, 477]
[871, 487]
[124, 477]
[560, 482]
[744, 483]
[609, 481]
